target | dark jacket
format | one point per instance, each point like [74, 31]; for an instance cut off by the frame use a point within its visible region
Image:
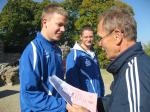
[131, 85]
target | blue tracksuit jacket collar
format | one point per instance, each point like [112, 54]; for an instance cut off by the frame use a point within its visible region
[79, 48]
[41, 37]
[116, 64]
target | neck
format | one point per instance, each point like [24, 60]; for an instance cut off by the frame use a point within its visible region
[127, 44]
[45, 35]
[85, 47]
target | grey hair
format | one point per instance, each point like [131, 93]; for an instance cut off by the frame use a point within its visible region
[119, 18]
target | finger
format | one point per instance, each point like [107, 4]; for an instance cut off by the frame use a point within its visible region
[70, 108]
[81, 109]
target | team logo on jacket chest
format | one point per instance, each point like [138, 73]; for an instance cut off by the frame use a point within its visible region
[87, 63]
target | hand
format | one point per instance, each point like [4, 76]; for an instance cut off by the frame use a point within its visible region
[76, 108]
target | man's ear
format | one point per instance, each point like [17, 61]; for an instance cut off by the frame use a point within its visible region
[118, 36]
[44, 21]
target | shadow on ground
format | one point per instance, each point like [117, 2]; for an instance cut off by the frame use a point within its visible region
[6, 93]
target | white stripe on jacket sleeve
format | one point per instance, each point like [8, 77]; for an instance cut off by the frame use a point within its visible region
[133, 88]
[34, 65]
[137, 82]
[132, 84]
[129, 92]
[85, 74]
[34, 55]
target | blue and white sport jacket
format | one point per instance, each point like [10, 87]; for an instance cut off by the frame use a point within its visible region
[83, 72]
[40, 60]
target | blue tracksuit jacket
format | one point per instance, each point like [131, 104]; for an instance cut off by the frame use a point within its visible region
[40, 60]
[83, 72]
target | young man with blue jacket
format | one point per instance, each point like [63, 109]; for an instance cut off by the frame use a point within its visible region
[82, 67]
[130, 66]
[40, 60]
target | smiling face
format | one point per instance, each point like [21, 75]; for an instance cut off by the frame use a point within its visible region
[53, 26]
[87, 38]
[117, 27]
[108, 42]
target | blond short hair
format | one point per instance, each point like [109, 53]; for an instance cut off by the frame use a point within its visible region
[53, 8]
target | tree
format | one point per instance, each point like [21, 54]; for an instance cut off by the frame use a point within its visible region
[72, 6]
[89, 11]
[147, 48]
[17, 23]
[20, 20]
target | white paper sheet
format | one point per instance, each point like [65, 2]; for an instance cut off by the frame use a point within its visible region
[74, 95]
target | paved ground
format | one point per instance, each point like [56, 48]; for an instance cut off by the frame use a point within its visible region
[9, 95]
[9, 99]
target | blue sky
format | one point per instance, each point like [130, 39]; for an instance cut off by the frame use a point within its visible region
[142, 15]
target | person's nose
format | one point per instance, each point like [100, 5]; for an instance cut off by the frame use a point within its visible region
[62, 29]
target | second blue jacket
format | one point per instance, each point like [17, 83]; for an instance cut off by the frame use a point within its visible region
[83, 72]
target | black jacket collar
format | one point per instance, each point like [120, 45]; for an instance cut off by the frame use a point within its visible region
[116, 64]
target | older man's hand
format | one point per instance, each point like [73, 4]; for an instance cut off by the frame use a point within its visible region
[76, 108]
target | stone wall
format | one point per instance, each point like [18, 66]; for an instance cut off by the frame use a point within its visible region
[8, 67]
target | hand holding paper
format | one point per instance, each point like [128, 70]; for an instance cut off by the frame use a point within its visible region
[76, 108]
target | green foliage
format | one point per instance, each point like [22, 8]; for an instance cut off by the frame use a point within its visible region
[147, 48]
[101, 56]
[71, 34]
[16, 23]
[89, 11]
[124, 5]
[20, 20]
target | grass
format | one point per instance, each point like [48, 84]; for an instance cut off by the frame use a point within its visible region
[107, 78]
[9, 95]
